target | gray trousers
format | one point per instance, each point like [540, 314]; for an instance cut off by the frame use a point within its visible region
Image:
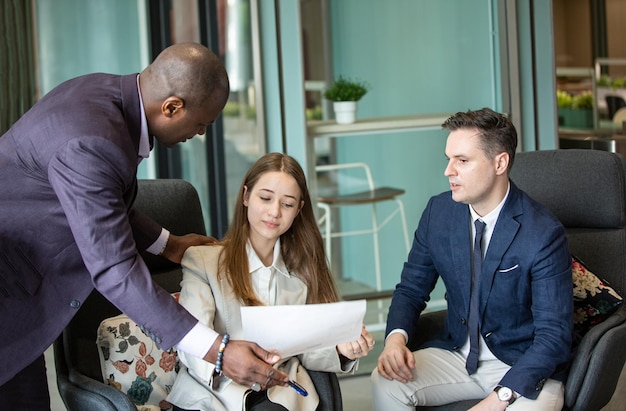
[439, 377]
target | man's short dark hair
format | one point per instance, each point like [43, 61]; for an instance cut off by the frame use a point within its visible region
[497, 132]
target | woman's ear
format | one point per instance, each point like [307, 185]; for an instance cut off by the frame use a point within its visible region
[244, 197]
[301, 206]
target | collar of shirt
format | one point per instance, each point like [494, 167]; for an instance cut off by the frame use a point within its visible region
[489, 220]
[144, 138]
[255, 262]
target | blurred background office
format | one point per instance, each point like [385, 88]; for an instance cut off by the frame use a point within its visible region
[425, 59]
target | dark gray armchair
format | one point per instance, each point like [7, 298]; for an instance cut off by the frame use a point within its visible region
[176, 206]
[586, 190]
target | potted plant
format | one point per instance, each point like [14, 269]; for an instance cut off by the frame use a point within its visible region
[575, 111]
[344, 93]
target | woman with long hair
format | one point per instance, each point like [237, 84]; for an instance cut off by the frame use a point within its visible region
[272, 254]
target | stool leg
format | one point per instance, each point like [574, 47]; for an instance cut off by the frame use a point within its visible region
[326, 218]
[404, 229]
[375, 229]
[379, 280]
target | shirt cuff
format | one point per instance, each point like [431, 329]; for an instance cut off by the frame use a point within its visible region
[159, 245]
[198, 341]
[399, 331]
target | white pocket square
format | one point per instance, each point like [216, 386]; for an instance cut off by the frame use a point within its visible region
[506, 270]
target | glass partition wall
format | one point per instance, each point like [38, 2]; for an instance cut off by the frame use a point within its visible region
[590, 61]
[121, 37]
[216, 162]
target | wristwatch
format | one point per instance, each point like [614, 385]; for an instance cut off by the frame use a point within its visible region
[505, 394]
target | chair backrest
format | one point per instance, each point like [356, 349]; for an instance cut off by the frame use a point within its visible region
[586, 191]
[620, 117]
[176, 206]
[614, 103]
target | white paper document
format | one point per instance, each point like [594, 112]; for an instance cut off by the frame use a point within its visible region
[296, 329]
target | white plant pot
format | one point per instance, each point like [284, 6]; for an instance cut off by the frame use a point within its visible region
[345, 111]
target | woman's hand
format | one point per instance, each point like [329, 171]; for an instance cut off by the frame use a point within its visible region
[359, 348]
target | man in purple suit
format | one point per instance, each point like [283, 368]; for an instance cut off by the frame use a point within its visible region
[67, 183]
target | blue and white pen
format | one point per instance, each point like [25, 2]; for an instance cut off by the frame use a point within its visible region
[299, 389]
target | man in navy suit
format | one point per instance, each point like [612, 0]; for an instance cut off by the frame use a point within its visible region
[67, 184]
[516, 293]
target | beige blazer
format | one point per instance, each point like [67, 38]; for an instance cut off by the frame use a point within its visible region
[213, 302]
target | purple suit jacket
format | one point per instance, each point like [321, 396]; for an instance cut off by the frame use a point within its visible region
[67, 182]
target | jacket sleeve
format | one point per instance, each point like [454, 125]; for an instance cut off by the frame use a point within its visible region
[327, 359]
[90, 175]
[552, 315]
[417, 280]
[145, 230]
[197, 296]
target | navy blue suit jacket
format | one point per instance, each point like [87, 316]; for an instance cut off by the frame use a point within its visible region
[526, 297]
[67, 182]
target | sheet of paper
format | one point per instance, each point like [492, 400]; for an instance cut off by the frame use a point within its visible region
[296, 329]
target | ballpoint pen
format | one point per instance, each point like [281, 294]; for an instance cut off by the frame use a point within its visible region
[298, 388]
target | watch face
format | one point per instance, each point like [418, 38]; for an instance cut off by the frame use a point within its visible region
[505, 394]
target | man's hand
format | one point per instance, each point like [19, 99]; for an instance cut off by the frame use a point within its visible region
[396, 362]
[177, 245]
[490, 403]
[246, 363]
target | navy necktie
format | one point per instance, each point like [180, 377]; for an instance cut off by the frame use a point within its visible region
[477, 262]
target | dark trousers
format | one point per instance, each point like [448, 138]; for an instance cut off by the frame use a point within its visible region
[256, 401]
[28, 390]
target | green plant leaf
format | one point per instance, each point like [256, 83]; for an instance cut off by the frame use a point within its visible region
[345, 89]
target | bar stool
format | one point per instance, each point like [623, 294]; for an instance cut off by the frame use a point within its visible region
[333, 195]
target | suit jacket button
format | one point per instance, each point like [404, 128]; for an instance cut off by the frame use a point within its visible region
[74, 303]
[540, 384]
[463, 321]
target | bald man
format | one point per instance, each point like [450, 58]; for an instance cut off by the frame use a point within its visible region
[67, 184]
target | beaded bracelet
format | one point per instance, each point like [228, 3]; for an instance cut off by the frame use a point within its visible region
[220, 354]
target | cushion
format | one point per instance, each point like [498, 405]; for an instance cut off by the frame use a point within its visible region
[134, 364]
[594, 299]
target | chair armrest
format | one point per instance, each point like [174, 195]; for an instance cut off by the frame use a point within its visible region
[597, 365]
[428, 326]
[328, 389]
[90, 393]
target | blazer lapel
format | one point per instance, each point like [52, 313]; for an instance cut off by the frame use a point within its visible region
[460, 239]
[507, 227]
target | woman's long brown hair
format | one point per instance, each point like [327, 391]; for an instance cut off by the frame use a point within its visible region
[301, 245]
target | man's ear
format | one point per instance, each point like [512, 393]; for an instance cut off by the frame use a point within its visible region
[172, 105]
[502, 163]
